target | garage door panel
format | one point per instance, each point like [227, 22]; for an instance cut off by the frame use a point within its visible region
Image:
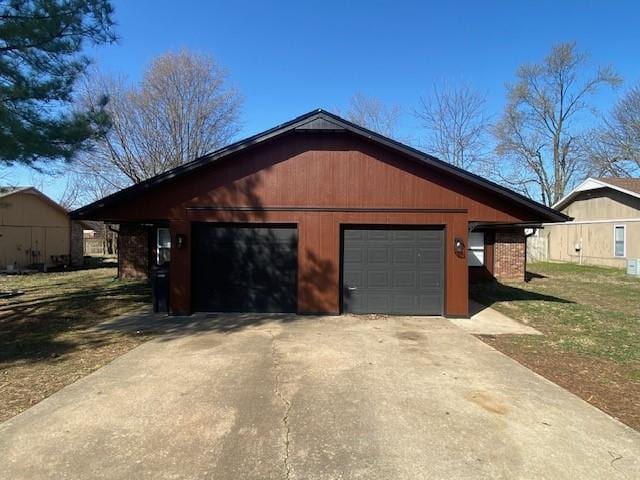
[406, 255]
[354, 255]
[430, 280]
[404, 303]
[429, 235]
[354, 234]
[377, 235]
[377, 256]
[354, 278]
[379, 279]
[404, 235]
[429, 257]
[406, 280]
[377, 302]
[397, 271]
[425, 302]
[244, 268]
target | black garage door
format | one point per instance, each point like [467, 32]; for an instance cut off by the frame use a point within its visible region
[244, 268]
[395, 271]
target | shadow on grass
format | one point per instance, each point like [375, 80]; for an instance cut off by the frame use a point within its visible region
[91, 262]
[53, 325]
[493, 292]
[528, 276]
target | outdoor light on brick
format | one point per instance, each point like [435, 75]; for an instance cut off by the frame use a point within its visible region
[181, 239]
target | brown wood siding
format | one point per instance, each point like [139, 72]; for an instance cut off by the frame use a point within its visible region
[320, 181]
[319, 170]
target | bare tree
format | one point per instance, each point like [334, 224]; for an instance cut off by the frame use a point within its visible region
[541, 131]
[70, 197]
[615, 147]
[372, 113]
[182, 109]
[455, 125]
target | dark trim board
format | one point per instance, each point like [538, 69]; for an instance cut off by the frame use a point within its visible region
[327, 209]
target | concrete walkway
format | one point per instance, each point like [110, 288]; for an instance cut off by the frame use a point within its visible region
[487, 321]
[286, 397]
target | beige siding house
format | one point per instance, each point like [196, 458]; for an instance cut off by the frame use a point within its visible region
[605, 229]
[35, 231]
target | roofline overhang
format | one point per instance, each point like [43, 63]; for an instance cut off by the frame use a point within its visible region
[34, 191]
[502, 225]
[324, 122]
[589, 184]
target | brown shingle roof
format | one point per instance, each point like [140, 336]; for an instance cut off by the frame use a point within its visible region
[631, 184]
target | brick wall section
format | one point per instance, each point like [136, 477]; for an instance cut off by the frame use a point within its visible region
[133, 252]
[509, 255]
[76, 245]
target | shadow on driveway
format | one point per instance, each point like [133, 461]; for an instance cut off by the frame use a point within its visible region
[169, 327]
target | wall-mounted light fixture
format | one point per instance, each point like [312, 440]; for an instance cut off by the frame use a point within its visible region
[458, 246]
[181, 240]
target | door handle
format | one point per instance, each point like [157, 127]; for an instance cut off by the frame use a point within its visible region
[351, 289]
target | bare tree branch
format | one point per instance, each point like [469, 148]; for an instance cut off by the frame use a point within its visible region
[182, 109]
[371, 113]
[455, 125]
[614, 147]
[541, 133]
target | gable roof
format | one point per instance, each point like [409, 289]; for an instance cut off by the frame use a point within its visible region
[323, 121]
[8, 191]
[629, 186]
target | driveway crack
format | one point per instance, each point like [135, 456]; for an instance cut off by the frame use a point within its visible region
[286, 403]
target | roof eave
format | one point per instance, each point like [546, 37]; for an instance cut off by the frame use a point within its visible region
[568, 198]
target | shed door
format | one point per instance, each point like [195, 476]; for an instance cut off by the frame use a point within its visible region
[244, 268]
[393, 271]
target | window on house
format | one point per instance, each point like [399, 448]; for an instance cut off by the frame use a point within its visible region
[163, 246]
[619, 241]
[476, 249]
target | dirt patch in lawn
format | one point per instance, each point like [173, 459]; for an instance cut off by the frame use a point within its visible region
[46, 335]
[600, 382]
[590, 320]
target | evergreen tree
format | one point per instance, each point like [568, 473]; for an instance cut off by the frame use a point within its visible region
[41, 43]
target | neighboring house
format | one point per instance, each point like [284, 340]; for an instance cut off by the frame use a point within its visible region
[605, 229]
[91, 229]
[319, 215]
[35, 231]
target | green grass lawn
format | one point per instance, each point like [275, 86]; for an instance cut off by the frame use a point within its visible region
[46, 335]
[590, 318]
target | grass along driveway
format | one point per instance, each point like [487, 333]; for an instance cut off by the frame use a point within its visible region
[590, 318]
[46, 340]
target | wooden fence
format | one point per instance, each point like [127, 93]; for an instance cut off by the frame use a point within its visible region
[537, 249]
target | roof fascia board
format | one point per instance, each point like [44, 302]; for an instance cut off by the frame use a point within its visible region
[591, 184]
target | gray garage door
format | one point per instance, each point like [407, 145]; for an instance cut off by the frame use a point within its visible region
[393, 271]
[244, 268]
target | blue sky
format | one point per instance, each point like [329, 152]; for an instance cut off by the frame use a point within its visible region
[291, 57]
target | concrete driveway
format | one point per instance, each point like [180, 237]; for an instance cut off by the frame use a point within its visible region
[247, 396]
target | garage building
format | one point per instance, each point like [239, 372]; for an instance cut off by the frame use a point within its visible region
[319, 215]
